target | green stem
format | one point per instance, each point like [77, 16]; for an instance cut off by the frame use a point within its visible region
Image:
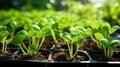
[78, 46]
[96, 42]
[3, 47]
[105, 50]
[33, 40]
[110, 53]
[22, 49]
[70, 50]
[43, 39]
[53, 35]
[25, 47]
[37, 46]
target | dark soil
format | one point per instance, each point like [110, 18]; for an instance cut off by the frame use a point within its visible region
[59, 52]
[64, 56]
[41, 56]
[61, 45]
[47, 45]
[7, 55]
[97, 55]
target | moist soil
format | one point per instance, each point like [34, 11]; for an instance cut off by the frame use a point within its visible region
[59, 53]
[41, 56]
[97, 55]
[64, 56]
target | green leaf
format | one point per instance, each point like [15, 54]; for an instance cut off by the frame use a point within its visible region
[96, 24]
[105, 31]
[46, 30]
[73, 29]
[39, 34]
[105, 42]
[2, 27]
[65, 36]
[22, 32]
[32, 47]
[8, 41]
[36, 27]
[107, 24]
[114, 28]
[18, 40]
[3, 34]
[99, 36]
[95, 31]
[88, 32]
[77, 38]
[13, 24]
[74, 34]
[54, 26]
[68, 37]
[31, 33]
[114, 43]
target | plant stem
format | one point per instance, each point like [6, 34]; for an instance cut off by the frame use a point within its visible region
[22, 49]
[53, 35]
[78, 46]
[3, 47]
[43, 39]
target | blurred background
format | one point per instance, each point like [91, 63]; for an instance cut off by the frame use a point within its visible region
[108, 10]
[40, 4]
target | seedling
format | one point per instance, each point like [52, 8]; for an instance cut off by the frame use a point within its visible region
[102, 37]
[35, 38]
[4, 38]
[109, 46]
[74, 40]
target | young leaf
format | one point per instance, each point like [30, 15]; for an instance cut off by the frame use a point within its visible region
[68, 37]
[39, 34]
[46, 30]
[114, 28]
[99, 36]
[13, 24]
[18, 40]
[3, 34]
[105, 31]
[114, 43]
[36, 27]
[73, 34]
[54, 26]
[32, 49]
[88, 31]
[65, 36]
[105, 42]
[107, 25]
[22, 32]
[20, 37]
[31, 33]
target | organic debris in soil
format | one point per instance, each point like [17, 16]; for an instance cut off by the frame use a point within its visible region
[41, 56]
[47, 45]
[64, 56]
[5, 55]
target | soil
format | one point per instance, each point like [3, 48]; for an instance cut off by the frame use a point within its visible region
[47, 45]
[7, 55]
[64, 56]
[61, 45]
[41, 56]
[59, 53]
[96, 54]
[99, 56]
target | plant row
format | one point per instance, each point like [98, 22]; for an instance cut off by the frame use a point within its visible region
[29, 31]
